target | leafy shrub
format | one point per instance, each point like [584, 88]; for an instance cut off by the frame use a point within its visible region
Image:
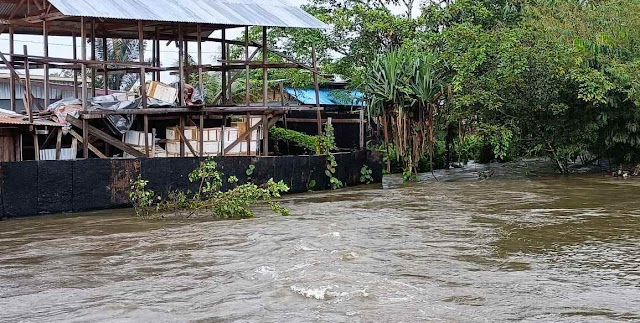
[235, 203]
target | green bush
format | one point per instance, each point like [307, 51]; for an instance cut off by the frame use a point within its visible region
[235, 203]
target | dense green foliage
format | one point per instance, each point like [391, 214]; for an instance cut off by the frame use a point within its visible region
[322, 144]
[556, 78]
[210, 199]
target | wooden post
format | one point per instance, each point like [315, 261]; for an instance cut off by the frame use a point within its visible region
[153, 56]
[247, 85]
[143, 86]
[229, 78]
[75, 72]
[248, 141]
[105, 73]
[223, 54]
[85, 107]
[158, 53]
[181, 55]
[27, 76]
[93, 58]
[316, 87]
[201, 86]
[201, 134]
[265, 135]
[36, 144]
[182, 138]
[59, 144]
[45, 33]
[282, 93]
[12, 81]
[361, 112]
[265, 87]
[222, 140]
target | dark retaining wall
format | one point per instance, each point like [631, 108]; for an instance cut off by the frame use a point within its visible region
[46, 187]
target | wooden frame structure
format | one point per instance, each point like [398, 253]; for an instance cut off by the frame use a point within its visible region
[40, 17]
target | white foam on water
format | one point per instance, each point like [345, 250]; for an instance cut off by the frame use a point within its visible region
[319, 293]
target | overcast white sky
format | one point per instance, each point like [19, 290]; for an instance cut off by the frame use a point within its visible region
[62, 46]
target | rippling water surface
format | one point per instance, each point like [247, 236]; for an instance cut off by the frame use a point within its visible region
[461, 249]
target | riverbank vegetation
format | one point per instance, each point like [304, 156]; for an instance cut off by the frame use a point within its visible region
[210, 200]
[528, 78]
[322, 144]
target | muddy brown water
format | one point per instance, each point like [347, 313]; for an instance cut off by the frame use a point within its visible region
[513, 247]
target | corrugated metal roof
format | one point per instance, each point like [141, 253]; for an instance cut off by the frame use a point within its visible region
[12, 118]
[272, 13]
[25, 122]
[328, 96]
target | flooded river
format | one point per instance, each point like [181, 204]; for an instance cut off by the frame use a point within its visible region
[511, 247]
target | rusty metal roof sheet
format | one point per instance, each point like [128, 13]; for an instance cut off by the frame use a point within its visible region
[11, 118]
[271, 13]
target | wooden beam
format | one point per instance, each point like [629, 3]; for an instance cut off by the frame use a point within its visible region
[303, 120]
[59, 144]
[47, 90]
[104, 137]
[184, 139]
[265, 86]
[247, 86]
[244, 136]
[90, 146]
[83, 51]
[12, 80]
[237, 76]
[28, 87]
[316, 87]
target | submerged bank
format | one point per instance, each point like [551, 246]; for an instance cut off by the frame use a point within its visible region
[511, 247]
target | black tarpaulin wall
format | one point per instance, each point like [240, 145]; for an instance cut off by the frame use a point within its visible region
[45, 187]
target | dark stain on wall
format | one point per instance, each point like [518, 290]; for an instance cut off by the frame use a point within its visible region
[31, 188]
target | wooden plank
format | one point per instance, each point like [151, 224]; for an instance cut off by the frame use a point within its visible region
[303, 120]
[361, 124]
[265, 85]
[105, 137]
[316, 87]
[90, 146]
[196, 111]
[244, 136]
[36, 146]
[28, 88]
[184, 139]
[59, 144]
[265, 137]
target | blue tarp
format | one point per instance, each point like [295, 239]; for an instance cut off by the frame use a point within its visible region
[328, 97]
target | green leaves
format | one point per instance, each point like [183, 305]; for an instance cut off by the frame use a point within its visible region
[234, 203]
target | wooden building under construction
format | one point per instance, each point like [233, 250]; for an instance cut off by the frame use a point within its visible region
[177, 127]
